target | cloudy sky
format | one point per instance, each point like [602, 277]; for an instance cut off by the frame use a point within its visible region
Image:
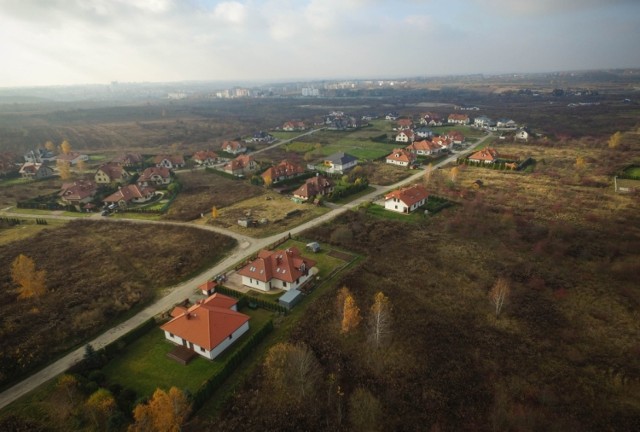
[46, 42]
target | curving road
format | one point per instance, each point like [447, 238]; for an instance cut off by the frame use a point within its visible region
[246, 246]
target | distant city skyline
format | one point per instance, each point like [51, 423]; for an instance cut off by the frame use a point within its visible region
[61, 42]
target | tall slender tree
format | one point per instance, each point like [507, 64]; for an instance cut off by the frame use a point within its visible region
[499, 294]
[380, 320]
[350, 315]
[31, 282]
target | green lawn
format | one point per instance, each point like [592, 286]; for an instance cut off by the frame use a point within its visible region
[324, 262]
[380, 212]
[285, 135]
[144, 366]
[14, 181]
[349, 198]
[633, 171]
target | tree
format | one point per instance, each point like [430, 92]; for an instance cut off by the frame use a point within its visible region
[292, 372]
[31, 282]
[214, 212]
[165, 412]
[100, 406]
[69, 385]
[580, 163]
[453, 174]
[64, 170]
[499, 294]
[380, 319]
[614, 140]
[427, 174]
[268, 181]
[49, 145]
[81, 166]
[350, 315]
[364, 410]
[65, 147]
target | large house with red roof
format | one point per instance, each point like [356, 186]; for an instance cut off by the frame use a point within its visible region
[130, 194]
[154, 176]
[458, 119]
[34, 170]
[487, 155]
[283, 171]
[233, 147]
[407, 199]
[294, 125]
[401, 157]
[128, 159]
[424, 148]
[241, 165]
[313, 187]
[169, 161]
[111, 172]
[284, 269]
[78, 192]
[405, 136]
[205, 157]
[208, 327]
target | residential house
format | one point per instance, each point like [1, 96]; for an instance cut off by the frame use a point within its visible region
[241, 165]
[444, 142]
[392, 116]
[285, 269]
[458, 119]
[431, 119]
[404, 124]
[487, 156]
[128, 159]
[205, 157]
[39, 156]
[262, 137]
[339, 163]
[313, 187]
[424, 148]
[233, 147]
[208, 327]
[169, 161]
[294, 125]
[35, 170]
[483, 122]
[405, 136]
[401, 157]
[456, 137]
[72, 158]
[111, 172]
[208, 288]
[407, 199]
[126, 195]
[423, 132]
[78, 192]
[506, 124]
[283, 171]
[522, 135]
[154, 176]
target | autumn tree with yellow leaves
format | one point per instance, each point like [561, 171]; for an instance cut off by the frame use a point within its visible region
[65, 147]
[350, 315]
[31, 282]
[165, 412]
[100, 405]
[64, 169]
[615, 140]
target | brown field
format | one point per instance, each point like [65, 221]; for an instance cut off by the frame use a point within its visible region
[562, 356]
[201, 191]
[274, 210]
[26, 229]
[381, 173]
[10, 194]
[95, 273]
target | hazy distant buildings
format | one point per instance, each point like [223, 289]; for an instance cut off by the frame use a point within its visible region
[310, 92]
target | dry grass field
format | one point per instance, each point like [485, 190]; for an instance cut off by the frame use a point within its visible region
[18, 190]
[272, 206]
[95, 273]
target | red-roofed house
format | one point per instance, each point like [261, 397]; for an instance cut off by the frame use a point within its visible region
[35, 170]
[79, 192]
[169, 161]
[208, 327]
[205, 157]
[293, 126]
[487, 156]
[128, 159]
[401, 157]
[404, 124]
[405, 136]
[284, 269]
[458, 119]
[241, 165]
[456, 137]
[208, 288]
[130, 194]
[233, 147]
[154, 176]
[431, 119]
[313, 187]
[423, 148]
[407, 199]
[444, 142]
[111, 173]
[284, 170]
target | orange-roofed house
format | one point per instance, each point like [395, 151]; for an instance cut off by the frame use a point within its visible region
[205, 157]
[401, 157]
[283, 171]
[284, 269]
[486, 155]
[405, 136]
[208, 327]
[407, 199]
[458, 119]
[129, 194]
[208, 288]
[404, 124]
[169, 161]
[424, 148]
[233, 147]
[241, 165]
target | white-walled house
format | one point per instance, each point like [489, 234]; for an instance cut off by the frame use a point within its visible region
[339, 163]
[208, 327]
[407, 199]
[283, 269]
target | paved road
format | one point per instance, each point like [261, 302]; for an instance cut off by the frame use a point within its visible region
[246, 246]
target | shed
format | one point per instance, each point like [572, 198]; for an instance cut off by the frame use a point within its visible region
[290, 298]
[313, 246]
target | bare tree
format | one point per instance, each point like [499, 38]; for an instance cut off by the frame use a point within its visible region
[499, 294]
[380, 320]
[365, 411]
[292, 372]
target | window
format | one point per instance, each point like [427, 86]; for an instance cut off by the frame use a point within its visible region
[202, 349]
[171, 335]
[230, 336]
[284, 284]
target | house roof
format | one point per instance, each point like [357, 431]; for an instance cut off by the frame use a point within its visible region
[401, 155]
[239, 162]
[148, 173]
[208, 285]
[78, 190]
[441, 141]
[313, 186]
[128, 193]
[128, 158]
[203, 155]
[409, 195]
[174, 159]
[31, 167]
[283, 169]
[285, 265]
[458, 117]
[487, 154]
[404, 122]
[424, 145]
[407, 133]
[341, 158]
[207, 323]
[113, 171]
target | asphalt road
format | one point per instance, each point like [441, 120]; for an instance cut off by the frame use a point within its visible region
[246, 246]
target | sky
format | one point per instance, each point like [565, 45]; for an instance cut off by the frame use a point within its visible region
[61, 42]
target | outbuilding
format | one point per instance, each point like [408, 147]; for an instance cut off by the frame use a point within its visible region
[290, 298]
